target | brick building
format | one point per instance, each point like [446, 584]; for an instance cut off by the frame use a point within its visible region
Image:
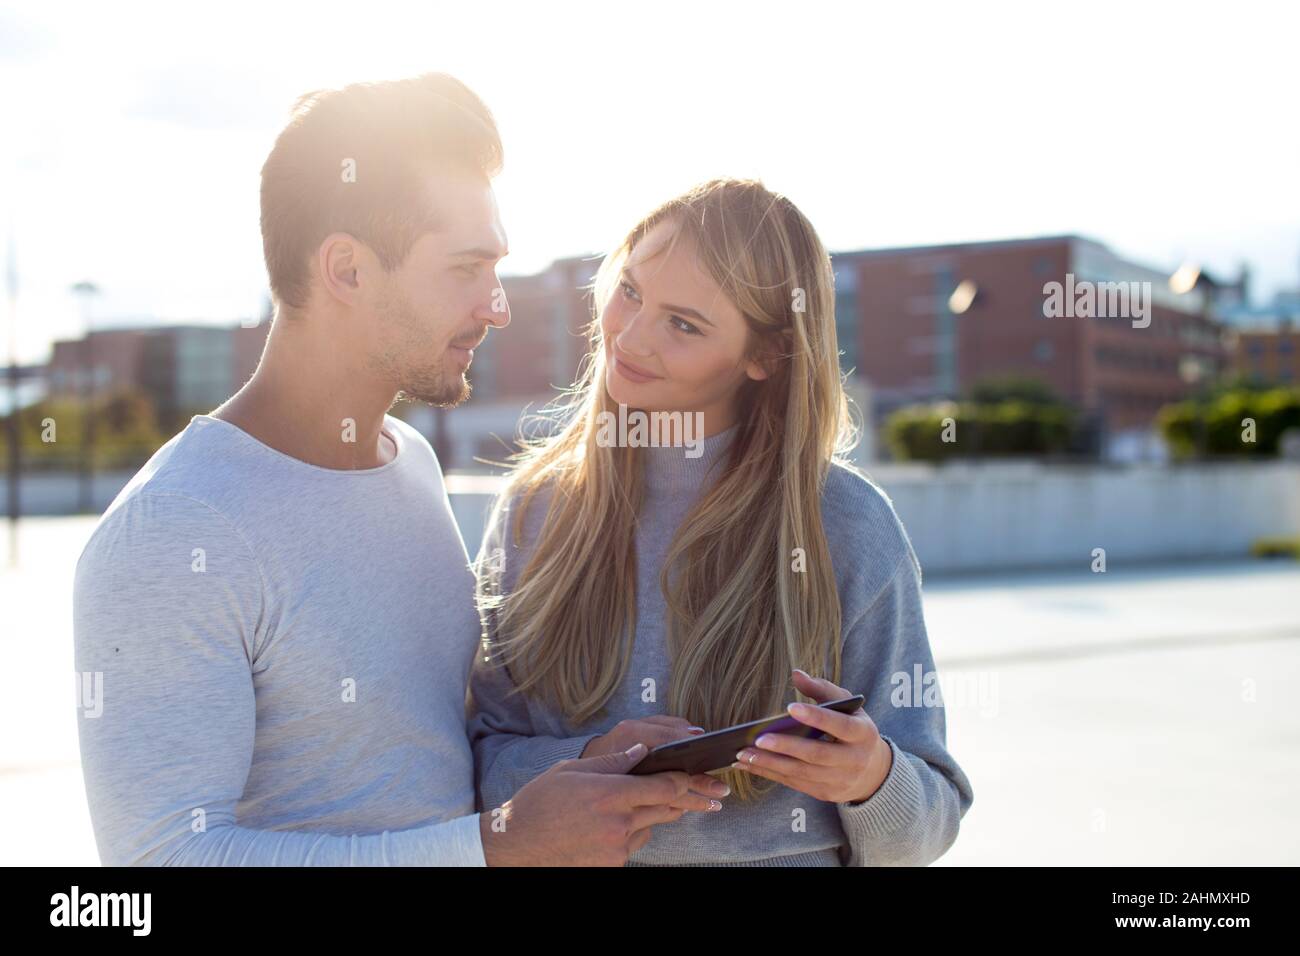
[1266, 340]
[929, 322]
[183, 369]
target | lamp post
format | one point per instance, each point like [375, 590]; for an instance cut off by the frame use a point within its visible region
[1192, 373]
[15, 438]
[954, 299]
[85, 291]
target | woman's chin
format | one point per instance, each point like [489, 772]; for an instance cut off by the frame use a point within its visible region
[622, 392]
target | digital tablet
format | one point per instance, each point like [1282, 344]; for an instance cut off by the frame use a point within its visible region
[717, 749]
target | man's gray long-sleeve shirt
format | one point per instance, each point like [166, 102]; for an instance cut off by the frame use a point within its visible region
[273, 658]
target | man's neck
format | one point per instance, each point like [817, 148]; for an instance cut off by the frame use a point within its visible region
[311, 401]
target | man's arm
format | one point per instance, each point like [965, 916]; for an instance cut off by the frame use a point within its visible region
[167, 605]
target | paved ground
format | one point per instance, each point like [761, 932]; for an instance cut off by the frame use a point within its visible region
[1139, 716]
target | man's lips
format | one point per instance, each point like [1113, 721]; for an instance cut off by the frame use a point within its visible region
[467, 348]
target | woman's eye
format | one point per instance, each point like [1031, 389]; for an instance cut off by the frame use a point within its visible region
[685, 326]
[628, 291]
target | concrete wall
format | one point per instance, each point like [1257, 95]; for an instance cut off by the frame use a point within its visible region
[970, 518]
[965, 518]
[58, 492]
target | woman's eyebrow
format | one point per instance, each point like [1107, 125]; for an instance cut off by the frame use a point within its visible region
[688, 312]
[682, 309]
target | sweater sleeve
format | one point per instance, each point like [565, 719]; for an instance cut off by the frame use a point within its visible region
[167, 609]
[508, 751]
[913, 818]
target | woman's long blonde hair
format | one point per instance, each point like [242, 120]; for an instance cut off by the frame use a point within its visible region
[741, 616]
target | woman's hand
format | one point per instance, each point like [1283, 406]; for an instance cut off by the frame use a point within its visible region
[848, 766]
[651, 731]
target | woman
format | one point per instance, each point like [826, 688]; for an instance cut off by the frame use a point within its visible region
[639, 594]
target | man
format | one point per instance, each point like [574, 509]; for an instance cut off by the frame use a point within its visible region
[276, 614]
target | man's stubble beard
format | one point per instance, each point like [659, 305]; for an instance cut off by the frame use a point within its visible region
[437, 381]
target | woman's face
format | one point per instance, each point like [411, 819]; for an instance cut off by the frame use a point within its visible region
[672, 339]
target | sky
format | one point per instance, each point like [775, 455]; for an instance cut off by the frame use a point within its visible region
[133, 133]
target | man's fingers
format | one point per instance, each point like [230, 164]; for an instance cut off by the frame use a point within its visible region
[618, 762]
[646, 817]
[698, 803]
[707, 783]
[638, 840]
[653, 789]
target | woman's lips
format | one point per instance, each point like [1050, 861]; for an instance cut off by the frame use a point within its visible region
[631, 372]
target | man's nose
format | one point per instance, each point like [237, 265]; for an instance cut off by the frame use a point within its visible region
[496, 310]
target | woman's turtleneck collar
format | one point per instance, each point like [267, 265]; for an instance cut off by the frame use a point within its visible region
[669, 471]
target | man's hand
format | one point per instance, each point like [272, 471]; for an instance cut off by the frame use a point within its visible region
[590, 812]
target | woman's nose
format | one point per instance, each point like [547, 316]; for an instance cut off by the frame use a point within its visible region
[633, 337]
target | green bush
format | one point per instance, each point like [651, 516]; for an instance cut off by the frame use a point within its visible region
[1276, 548]
[1215, 422]
[1000, 429]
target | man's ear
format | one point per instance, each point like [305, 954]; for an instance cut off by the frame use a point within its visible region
[338, 263]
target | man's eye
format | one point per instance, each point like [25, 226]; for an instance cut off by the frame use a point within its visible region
[685, 326]
[470, 269]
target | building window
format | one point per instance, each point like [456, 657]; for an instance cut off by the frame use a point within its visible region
[846, 325]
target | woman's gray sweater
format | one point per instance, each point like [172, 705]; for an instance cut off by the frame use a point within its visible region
[911, 820]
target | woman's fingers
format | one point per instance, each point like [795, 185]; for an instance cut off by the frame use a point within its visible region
[794, 783]
[819, 689]
[847, 727]
[809, 751]
[751, 758]
[678, 727]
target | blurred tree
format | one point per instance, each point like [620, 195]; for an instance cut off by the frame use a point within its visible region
[1017, 388]
[52, 432]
